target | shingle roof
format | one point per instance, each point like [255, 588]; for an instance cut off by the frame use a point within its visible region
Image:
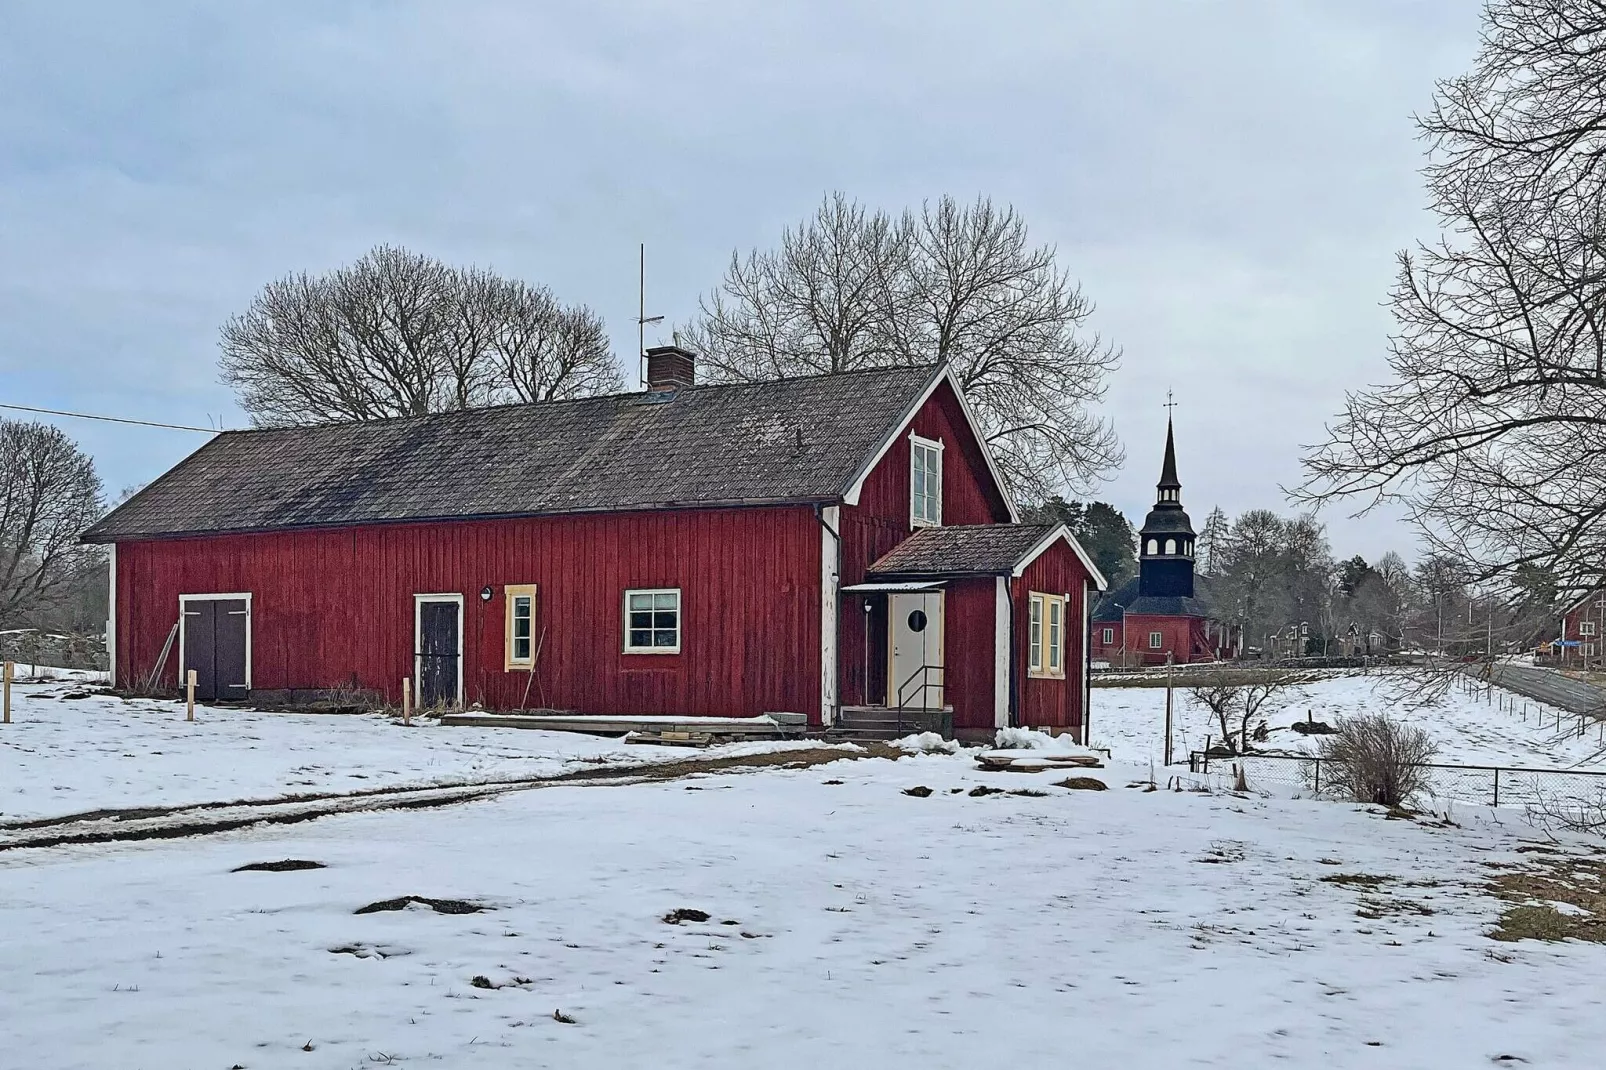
[962, 549]
[791, 440]
[1109, 609]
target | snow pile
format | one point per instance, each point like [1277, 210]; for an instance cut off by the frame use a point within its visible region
[927, 743]
[1030, 739]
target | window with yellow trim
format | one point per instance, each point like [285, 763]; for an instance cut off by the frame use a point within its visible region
[1046, 635]
[520, 651]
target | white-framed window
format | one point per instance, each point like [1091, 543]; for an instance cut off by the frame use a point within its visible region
[520, 628]
[652, 621]
[1046, 656]
[1171, 546]
[1589, 650]
[925, 482]
[1156, 640]
[1109, 636]
[1154, 547]
[1586, 627]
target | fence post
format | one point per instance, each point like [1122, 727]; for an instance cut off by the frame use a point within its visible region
[189, 695]
[407, 701]
[7, 673]
[1318, 789]
[1497, 785]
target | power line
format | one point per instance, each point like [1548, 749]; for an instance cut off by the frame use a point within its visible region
[110, 419]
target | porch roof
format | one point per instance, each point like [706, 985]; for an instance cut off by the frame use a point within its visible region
[962, 550]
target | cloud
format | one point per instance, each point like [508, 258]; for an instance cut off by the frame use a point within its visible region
[1228, 181]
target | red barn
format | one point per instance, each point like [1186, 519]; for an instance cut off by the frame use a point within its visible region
[808, 545]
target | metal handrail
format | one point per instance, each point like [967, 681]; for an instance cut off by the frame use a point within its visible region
[924, 674]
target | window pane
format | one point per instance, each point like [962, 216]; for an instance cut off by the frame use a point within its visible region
[640, 621]
[663, 638]
[665, 620]
[668, 600]
[521, 648]
[640, 637]
[640, 601]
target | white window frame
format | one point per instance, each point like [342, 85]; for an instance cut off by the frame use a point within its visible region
[680, 620]
[1045, 657]
[511, 593]
[933, 517]
[1156, 640]
[418, 641]
[184, 623]
[1109, 636]
[1586, 627]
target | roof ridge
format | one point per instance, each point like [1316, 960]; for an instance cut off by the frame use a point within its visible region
[621, 396]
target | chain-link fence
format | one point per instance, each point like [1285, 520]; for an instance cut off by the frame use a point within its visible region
[1485, 785]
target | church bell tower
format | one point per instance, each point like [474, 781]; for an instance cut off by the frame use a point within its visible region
[1165, 543]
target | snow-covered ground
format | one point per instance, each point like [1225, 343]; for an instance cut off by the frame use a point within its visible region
[850, 925]
[64, 755]
[1469, 728]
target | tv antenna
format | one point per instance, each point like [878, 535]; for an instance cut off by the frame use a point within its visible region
[642, 319]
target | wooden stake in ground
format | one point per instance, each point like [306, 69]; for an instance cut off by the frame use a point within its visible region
[189, 695]
[407, 701]
[7, 673]
[1168, 708]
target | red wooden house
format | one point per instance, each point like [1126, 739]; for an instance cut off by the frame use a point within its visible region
[805, 545]
[1583, 631]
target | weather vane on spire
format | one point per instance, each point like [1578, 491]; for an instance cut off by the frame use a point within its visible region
[1169, 404]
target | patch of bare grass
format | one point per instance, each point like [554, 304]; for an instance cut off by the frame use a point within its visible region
[1561, 898]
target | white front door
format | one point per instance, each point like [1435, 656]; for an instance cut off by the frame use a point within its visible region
[915, 620]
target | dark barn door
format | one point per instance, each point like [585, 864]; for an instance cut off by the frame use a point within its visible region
[215, 647]
[438, 631]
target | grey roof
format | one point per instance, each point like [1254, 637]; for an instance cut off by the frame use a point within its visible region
[790, 440]
[963, 549]
[1126, 598]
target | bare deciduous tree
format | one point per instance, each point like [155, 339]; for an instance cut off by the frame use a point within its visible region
[852, 288]
[399, 334]
[1235, 697]
[1493, 430]
[49, 493]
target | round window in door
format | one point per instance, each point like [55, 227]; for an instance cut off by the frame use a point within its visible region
[917, 621]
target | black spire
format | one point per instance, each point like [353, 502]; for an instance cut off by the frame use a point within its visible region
[1168, 471]
[1166, 539]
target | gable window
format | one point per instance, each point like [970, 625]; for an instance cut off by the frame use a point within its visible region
[1156, 640]
[520, 651]
[1109, 636]
[1046, 657]
[1586, 627]
[925, 482]
[652, 621]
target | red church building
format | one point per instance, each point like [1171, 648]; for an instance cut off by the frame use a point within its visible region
[814, 545]
[1164, 614]
[1583, 631]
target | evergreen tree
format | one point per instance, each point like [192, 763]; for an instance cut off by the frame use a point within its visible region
[1106, 535]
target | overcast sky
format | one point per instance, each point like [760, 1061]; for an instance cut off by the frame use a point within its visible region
[1229, 180]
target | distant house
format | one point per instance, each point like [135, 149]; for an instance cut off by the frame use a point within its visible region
[807, 545]
[1583, 631]
[1164, 614]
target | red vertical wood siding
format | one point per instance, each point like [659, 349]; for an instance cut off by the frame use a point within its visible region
[1043, 701]
[880, 521]
[1184, 638]
[970, 616]
[332, 608]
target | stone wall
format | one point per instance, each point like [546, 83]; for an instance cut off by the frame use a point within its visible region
[29, 646]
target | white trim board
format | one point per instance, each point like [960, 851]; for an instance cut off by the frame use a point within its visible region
[418, 640]
[111, 614]
[830, 608]
[943, 374]
[1002, 611]
[1062, 532]
[183, 626]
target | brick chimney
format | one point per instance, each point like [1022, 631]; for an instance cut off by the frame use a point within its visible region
[670, 368]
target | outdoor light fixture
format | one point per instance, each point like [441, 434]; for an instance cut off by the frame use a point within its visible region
[485, 594]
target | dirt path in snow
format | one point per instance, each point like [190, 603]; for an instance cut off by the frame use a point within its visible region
[204, 819]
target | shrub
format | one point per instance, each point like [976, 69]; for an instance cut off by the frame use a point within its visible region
[1375, 759]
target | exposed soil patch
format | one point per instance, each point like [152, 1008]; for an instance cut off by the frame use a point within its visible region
[680, 914]
[287, 865]
[439, 906]
[1358, 880]
[1561, 898]
[919, 791]
[981, 790]
[1083, 783]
